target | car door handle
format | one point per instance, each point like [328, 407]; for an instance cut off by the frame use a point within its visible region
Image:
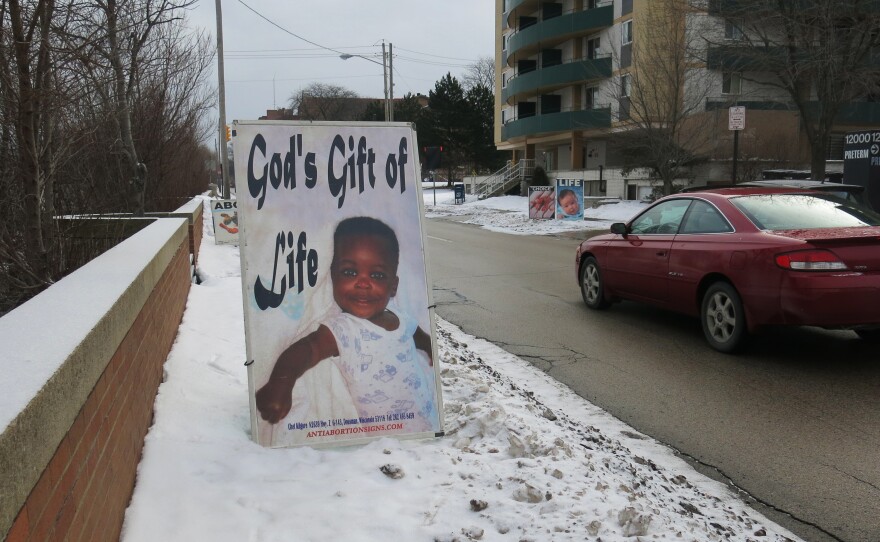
[662, 253]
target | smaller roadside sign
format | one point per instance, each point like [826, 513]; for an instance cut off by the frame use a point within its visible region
[736, 119]
[224, 212]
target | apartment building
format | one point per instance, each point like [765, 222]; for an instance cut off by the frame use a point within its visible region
[574, 78]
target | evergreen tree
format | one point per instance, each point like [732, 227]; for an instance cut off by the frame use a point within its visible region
[480, 144]
[444, 123]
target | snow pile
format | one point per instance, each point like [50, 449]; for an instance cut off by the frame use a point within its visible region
[542, 464]
[509, 214]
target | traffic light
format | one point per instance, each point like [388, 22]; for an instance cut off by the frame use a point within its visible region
[432, 157]
[228, 133]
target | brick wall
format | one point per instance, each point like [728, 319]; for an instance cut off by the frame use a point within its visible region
[69, 454]
[84, 491]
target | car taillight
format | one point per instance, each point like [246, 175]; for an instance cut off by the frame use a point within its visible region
[810, 260]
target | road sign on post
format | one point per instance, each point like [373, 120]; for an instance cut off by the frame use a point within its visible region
[737, 118]
[736, 121]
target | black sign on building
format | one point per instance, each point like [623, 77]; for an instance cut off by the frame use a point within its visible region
[861, 163]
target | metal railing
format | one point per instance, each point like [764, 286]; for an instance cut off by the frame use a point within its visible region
[505, 178]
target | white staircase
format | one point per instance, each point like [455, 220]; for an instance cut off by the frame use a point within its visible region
[505, 178]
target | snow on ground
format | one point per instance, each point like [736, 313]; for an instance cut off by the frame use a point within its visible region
[509, 214]
[519, 462]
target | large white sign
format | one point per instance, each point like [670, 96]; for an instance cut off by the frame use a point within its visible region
[338, 324]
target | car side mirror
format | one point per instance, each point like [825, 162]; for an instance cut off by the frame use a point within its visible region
[619, 228]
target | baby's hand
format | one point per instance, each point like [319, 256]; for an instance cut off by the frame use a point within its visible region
[274, 400]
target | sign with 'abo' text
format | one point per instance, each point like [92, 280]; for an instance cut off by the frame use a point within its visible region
[338, 325]
[224, 213]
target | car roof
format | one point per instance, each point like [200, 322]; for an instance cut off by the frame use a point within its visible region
[808, 183]
[741, 190]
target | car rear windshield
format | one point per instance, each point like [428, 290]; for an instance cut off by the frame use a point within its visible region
[803, 211]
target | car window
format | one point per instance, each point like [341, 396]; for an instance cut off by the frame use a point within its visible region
[704, 218]
[852, 197]
[803, 212]
[663, 218]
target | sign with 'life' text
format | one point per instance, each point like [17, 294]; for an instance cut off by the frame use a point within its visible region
[338, 325]
[569, 199]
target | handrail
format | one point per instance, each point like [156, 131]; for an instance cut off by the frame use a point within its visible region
[504, 178]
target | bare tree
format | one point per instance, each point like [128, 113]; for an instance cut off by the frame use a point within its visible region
[28, 107]
[820, 53]
[320, 101]
[481, 72]
[170, 116]
[60, 137]
[118, 45]
[661, 95]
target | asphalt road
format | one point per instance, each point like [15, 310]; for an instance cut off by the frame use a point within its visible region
[793, 422]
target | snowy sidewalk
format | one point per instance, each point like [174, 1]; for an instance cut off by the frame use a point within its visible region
[524, 458]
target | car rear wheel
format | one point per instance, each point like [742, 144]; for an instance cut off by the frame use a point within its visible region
[592, 288]
[724, 322]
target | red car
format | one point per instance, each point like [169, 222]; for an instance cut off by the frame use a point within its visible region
[742, 259]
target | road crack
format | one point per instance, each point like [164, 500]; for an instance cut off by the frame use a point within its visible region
[749, 497]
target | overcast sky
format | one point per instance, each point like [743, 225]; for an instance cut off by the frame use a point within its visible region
[265, 61]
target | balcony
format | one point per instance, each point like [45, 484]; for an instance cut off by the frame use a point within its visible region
[566, 121]
[735, 8]
[554, 77]
[526, 5]
[528, 41]
[742, 58]
[860, 114]
[855, 113]
[757, 9]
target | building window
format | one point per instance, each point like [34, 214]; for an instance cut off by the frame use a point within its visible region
[551, 103]
[731, 83]
[526, 109]
[593, 48]
[625, 85]
[592, 98]
[732, 30]
[626, 32]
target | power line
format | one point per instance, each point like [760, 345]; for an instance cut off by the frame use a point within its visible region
[276, 25]
[338, 52]
[318, 78]
[471, 60]
[431, 63]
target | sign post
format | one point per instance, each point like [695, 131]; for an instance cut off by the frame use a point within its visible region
[736, 121]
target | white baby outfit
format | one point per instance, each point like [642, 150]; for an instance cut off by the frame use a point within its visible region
[384, 371]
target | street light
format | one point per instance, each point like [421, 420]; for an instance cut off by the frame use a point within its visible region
[387, 79]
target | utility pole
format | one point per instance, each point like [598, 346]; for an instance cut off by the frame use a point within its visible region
[221, 127]
[385, 83]
[390, 83]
